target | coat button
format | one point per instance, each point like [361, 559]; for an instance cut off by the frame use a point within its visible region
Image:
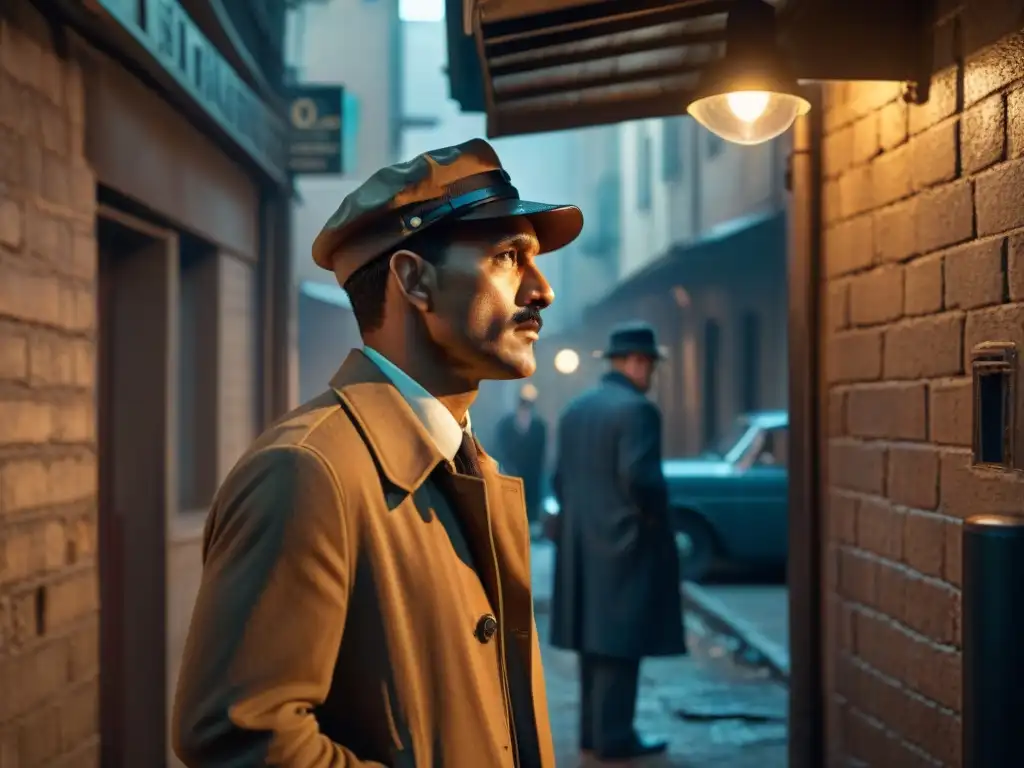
[486, 627]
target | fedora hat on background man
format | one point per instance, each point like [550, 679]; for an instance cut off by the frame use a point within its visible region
[635, 338]
[465, 182]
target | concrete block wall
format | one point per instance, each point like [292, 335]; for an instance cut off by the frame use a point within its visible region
[48, 584]
[923, 259]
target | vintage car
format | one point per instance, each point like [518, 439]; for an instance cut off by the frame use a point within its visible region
[730, 505]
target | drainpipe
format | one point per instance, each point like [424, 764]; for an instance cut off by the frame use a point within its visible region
[806, 684]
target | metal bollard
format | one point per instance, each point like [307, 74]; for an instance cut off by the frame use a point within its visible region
[993, 640]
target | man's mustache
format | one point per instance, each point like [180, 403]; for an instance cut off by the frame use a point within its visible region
[527, 315]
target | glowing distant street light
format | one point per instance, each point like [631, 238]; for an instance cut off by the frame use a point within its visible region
[567, 361]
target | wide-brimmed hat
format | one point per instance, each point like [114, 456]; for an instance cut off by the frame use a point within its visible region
[464, 182]
[634, 338]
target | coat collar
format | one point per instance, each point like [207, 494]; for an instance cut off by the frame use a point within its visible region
[442, 427]
[403, 447]
[618, 379]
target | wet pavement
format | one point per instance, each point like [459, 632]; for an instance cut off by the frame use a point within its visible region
[715, 710]
[757, 615]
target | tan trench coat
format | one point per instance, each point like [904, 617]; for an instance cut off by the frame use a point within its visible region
[335, 624]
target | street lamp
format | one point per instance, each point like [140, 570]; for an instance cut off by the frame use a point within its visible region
[750, 95]
[567, 361]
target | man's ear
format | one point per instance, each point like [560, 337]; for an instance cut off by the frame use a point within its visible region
[416, 278]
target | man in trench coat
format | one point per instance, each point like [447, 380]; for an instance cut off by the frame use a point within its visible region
[365, 596]
[616, 590]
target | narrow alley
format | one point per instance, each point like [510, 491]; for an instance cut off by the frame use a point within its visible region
[713, 710]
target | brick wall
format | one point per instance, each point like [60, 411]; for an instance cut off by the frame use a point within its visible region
[923, 259]
[48, 586]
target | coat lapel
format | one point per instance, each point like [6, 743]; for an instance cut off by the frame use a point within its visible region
[400, 445]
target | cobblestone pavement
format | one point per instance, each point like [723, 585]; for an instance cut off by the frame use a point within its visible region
[715, 712]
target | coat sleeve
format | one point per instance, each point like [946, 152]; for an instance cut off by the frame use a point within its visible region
[640, 467]
[268, 619]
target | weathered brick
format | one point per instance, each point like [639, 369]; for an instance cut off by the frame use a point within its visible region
[51, 361]
[974, 274]
[895, 231]
[983, 134]
[895, 411]
[858, 577]
[1015, 268]
[880, 528]
[964, 491]
[924, 347]
[837, 152]
[848, 246]
[997, 198]
[72, 480]
[29, 297]
[933, 609]
[890, 176]
[855, 356]
[953, 571]
[13, 356]
[857, 466]
[12, 224]
[79, 715]
[1015, 123]
[25, 421]
[837, 306]
[71, 598]
[950, 412]
[865, 138]
[992, 69]
[934, 155]
[925, 543]
[892, 124]
[73, 422]
[39, 737]
[945, 216]
[842, 517]
[877, 296]
[1002, 323]
[855, 190]
[84, 651]
[923, 286]
[914, 476]
[23, 485]
[836, 413]
[942, 98]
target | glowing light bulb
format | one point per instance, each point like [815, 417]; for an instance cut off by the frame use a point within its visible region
[567, 361]
[748, 106]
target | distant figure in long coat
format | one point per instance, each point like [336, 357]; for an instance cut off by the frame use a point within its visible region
[522, 441]
[616, 591]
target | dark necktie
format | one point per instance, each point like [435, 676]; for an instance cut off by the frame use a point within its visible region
[467, 459]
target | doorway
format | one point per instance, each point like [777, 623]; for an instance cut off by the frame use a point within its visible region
[138, 290]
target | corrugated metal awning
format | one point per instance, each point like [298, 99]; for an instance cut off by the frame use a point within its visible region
[559, 64]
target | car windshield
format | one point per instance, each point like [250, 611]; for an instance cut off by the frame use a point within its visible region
[725, 444]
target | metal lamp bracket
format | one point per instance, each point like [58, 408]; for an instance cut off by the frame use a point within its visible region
[890, 40]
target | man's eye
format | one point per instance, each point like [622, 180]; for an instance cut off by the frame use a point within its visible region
[507, 258]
